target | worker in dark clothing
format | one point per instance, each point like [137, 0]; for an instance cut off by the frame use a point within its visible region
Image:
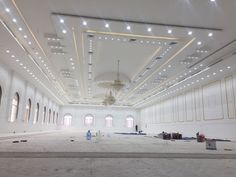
[136, 128]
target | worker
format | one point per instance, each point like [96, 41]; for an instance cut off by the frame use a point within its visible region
[88, 135]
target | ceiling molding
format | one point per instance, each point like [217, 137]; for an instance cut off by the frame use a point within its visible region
[137, 22]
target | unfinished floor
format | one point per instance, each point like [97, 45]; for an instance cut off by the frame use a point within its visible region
[69, 154]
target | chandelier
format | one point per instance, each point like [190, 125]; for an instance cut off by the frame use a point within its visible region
[109, 99]
[117, 85]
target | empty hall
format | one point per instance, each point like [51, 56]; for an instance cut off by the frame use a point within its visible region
[128, 88]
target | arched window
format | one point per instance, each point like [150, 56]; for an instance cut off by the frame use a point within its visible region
[108, 121]
[14, 107]
[44, 114]
[49, 116]
[67, 120]
[88, 120]
[0, 95]
[129, 122]
[36, 114]
[27, 111]
[53, 118]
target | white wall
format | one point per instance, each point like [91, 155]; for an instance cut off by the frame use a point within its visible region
[119, 118]
[11, 83]
[209, 109]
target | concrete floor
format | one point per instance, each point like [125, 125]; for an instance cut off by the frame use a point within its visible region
[54, 155]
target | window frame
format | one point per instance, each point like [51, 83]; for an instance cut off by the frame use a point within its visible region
[15, 107]
[129, 117]
[28, 110]
[85, 117]
[111, 118]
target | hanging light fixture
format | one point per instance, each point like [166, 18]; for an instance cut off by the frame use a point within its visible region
[109, 99]
[117, 84]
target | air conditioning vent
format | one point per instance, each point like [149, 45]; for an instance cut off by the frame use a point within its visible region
[158, 58]
[173, 43]
[90, 35]
[132, 40]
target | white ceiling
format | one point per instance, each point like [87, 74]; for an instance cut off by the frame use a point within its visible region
[73, 63]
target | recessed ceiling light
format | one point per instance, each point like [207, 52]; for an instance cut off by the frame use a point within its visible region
[64, 31]
[29, 43]
[228, 67]
[169, 66]
[221, 70]
[20, 29]
[14, 20]
[169, 31]
[201, 65]
[208, 75]
[202, 78]
[84, 23]
[13, 56]
[36, 53]
[210, 34]
[149, 29]
[21, 64]
[71, 59]
[190, 33]
[107, 25]
[17, 60]
[7, 10]
[61, 20]
[25, 36]
[72, 63]
[199, 43]
[213, 0]
[128, 27]
[214, 73]
[8, 51]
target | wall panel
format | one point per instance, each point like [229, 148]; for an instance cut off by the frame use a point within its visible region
[230, 97]
[212, 101]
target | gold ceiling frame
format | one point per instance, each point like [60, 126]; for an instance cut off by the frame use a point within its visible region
[33, 35]
[79, 58]
[158, 70]
[131, 35]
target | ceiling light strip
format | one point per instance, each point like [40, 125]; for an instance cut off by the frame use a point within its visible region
[131, 35]
[14, 37]
[11, 33]
[137, 22]
[143, 102]
[31, 32]
[78, 58]
[158, 70]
